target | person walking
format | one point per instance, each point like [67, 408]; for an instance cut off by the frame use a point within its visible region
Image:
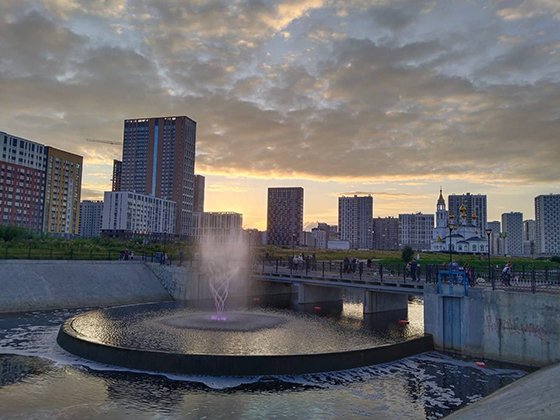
[413, 269]
[469, 274]
[506, 274]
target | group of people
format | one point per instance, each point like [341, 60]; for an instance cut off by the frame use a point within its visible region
[506, 276]
[126, 255]
[466, 269]
[351, 265]
[302, 261]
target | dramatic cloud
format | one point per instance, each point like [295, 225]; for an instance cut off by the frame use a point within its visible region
[401, 91]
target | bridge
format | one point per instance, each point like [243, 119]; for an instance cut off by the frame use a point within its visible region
[322, 284]
[393, 278]
[515, 321]
[388, 284]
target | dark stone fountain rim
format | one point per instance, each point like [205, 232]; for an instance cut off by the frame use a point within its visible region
[235, 365]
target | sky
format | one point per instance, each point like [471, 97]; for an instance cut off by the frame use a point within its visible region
[393, 98]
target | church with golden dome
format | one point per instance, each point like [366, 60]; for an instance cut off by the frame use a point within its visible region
[459, 232]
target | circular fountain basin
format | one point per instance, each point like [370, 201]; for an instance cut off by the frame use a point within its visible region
[170, 338]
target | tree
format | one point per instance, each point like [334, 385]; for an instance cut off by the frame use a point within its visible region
[407, 254]
[11, 232]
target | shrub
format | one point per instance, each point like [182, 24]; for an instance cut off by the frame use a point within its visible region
[407, 254]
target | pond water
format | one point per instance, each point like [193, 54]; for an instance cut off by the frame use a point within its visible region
[40, 380]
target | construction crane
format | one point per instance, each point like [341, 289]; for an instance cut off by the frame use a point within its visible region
[104, 141]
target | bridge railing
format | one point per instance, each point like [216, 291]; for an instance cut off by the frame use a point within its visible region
[525, 278]
[353, 270]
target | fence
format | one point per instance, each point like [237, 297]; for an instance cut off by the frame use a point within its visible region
[30, 253]
[525, 278]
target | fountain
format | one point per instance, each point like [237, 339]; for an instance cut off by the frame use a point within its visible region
[223, 260]
[177, 339]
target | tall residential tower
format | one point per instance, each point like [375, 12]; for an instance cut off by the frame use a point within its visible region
[355, 221]
[284, 218]
[198, 202]
[63, 190]
[22, 182]
[512, 232]
[158, 160]
[547, 224]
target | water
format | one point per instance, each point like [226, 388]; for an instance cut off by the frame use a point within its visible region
[224, 259]
[171, 327]
[40, 380]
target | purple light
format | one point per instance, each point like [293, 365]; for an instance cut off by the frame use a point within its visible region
[218, 317]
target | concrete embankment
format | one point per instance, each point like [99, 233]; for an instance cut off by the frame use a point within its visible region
[533, 397]
[39, 285]
[507, 325]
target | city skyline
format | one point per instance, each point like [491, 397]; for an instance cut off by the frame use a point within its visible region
[392, 99]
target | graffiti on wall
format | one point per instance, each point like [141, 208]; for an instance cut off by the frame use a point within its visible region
[516, 327]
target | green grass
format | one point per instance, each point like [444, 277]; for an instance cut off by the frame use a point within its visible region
[106, 248]
[477, 262]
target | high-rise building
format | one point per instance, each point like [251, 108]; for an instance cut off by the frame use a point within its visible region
[126, 214]
[529, 236]
[63, 190]
[22, 182]
[331, 231]
[255, 237]
[158, 160]
[495, 238]
[117, 175]
[476, 209]
[217, 225]
[415, 230]
[529, 232]
[320, 238]
[355, 221]
[198, 200]
[547, 224]
[91, 216]
[284, 219]
[512, 232]
[386, 233]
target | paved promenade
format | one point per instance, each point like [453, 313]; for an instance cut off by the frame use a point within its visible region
[535, 396]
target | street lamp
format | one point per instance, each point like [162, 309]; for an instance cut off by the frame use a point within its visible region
[451, 227]
[488, 233]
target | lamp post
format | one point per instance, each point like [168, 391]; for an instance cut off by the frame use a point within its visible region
[451, 227]
[488, 233]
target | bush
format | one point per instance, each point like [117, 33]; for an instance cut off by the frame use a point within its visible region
[10, 232]
[407, 254]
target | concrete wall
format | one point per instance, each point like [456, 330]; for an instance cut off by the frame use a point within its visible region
[187, 283]
[375, 302]
[517, 327]
[181, 282]
[40, 285]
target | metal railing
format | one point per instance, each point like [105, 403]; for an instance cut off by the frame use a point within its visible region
[525, 278]
[30, 253]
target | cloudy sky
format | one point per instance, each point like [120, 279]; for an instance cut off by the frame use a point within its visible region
[390, 97]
